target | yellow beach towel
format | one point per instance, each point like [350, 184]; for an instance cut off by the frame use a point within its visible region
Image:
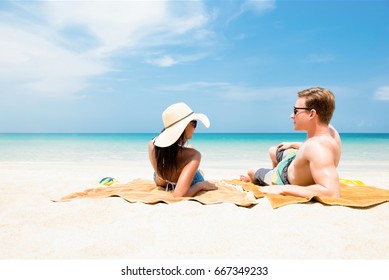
[146, 191]
[354, 193]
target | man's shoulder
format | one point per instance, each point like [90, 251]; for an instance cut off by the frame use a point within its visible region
[315, 143]
[318, 148]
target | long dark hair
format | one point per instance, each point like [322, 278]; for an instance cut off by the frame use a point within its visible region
[166, 157]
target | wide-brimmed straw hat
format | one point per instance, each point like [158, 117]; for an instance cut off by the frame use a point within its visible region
[175, 119]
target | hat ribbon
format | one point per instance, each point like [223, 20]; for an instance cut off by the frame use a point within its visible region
[178, 120]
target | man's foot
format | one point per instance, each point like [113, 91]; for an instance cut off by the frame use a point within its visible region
[245, 178]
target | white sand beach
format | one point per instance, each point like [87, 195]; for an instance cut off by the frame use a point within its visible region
[99, 237]
[34, 227]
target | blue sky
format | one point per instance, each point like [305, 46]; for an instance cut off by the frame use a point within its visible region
[104, 66]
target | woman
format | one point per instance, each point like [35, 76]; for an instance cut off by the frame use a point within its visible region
[176, 166]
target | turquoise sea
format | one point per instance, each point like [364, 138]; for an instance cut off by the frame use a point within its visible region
[133, 146]
[124, 156]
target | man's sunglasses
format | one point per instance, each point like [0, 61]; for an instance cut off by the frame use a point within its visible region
[295, 109]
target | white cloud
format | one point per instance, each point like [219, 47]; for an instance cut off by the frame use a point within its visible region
[170, 60]
[162, 61]
[382, 93]
[123, 24]
[55, 47]
[363, 124]
[318, 58]
[257, 6]
[33, 64]
[113, 25]
[236, 92]
[246, 93]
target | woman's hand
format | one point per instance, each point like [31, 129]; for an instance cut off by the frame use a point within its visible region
[208, 186]
[199, 186]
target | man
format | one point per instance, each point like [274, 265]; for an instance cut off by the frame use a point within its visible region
[309, 168]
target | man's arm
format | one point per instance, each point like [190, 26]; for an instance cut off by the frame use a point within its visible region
[289, 145]
[323, 171]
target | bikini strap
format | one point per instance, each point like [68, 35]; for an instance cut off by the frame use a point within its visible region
[169, 184]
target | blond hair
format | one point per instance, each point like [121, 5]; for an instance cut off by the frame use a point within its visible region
[320, 99]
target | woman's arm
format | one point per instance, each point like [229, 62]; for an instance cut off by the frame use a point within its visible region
[183, 187]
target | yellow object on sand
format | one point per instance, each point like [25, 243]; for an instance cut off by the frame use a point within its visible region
[352, 182]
